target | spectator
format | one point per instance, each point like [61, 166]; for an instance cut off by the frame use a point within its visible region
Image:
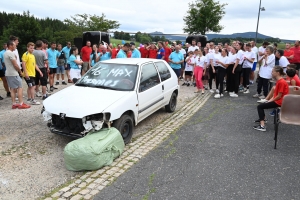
[182, 64]
[193, 47]
[41, 61]
[282, 60]
[85, 55]
[190, 62]
[30, 68]
[66, 50]
[223, 64]
[104, 54]
[2, 71]
[296, 58]
[16, 41]
[265, 72]
[152, 50]
[211, 48]
[144, 51]
[122, 52]
[213, 69]
[61, 61]
[75, 64]
[249, 58]
[200, 69]
[230, 76]
[135, 52]
[114, 52]
[161, 51]
[236, 71]
[168, 52]
[13, 73]
[205, 76]
[199, 45]
[261, 51]
[176, 58]
[52, 60]
[281, 89]
[255, 50]
[95, 56]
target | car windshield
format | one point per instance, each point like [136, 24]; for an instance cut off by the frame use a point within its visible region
[110, 76]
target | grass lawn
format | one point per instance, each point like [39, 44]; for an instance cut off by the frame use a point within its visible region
[116, 41]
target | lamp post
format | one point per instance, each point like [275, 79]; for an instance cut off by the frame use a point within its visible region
[260, 9]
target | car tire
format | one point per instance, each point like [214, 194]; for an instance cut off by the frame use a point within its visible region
[125, 125]
[171, 107]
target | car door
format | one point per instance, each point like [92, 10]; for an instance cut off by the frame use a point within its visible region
[168, 84]
[150, 92]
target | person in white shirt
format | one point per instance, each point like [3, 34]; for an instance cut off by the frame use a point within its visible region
[223, 62]
[283, 61]
[213, 69]
[255, 50]
[230, 77]
[211, 47]
[182, 50]
[262, 51]
[249, 57]
[265, 72]
[193, 47]
[200, 68]
[189, 67]
[205, 76]
[237, 68]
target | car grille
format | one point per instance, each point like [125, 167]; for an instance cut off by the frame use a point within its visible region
[67, 125]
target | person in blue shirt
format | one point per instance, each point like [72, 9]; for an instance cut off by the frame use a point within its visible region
[66, 50]
[52, 62]
[135, 53]
[95, 56]
[122, 52]
[75, 64]
[2, 71]
[161, 51]
[105, 55]
[176, 58]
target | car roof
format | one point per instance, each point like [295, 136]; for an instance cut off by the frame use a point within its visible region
[130, 61]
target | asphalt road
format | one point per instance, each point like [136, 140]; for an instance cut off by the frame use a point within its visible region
[217, 155]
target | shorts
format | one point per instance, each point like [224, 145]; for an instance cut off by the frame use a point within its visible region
[75, 73]
[188, 73]
[43, 79]
[182, 66]
[60, 70]
[31, 81]
[85, 66]
[177, 72]
[2, 73]
[14, 82]
[68, 67]
[52, 70]
[254, 66]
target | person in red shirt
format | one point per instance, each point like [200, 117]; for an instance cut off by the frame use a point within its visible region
[281, 89]
[288, 53]
[168, 52]
[144, 51]
[113, 51]
[296, 58]
[129, 54]
[152, 51]
[85, 56]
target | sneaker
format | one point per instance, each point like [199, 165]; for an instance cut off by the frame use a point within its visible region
[194, 84]
[24, 106]
[8, 94]
[64, 83]
[45, 97]
[260, 128]
[184, 84]
[258, 121]
[272, 114]
[262, 101]
[246, 92]
[57, 83]
[47, 92]
[1, 98]
[217, 91]
[217, 96]
[38, 94]
[55, 88]
[29, 100]
[262, 97]
[234, 95]
[257, 96]
[188, 84]
[15, 106]
[51, 89]
[231, 93]
[17, 99]
[206, 88]
[222, 95]
[34, 102]
[212, 91]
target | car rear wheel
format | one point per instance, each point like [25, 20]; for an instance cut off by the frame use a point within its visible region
[125, 125]
[171, 107]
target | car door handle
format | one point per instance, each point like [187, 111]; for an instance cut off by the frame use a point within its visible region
[163, 87]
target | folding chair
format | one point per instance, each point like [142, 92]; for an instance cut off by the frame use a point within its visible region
[289, 114]
[295, 90]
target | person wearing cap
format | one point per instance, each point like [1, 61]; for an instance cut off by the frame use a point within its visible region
[135, 52]
[123, 51]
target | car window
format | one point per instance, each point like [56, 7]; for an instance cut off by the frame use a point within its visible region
[149, 77]
[163, 71]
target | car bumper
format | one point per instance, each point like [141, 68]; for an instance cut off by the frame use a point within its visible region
[60, 132]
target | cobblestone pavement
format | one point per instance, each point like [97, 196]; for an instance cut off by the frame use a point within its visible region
[91, 183]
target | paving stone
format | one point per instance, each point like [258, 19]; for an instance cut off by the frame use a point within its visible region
[91, 186]
[48, 198]
[84, 192]
[101, 187]
[83, 177]
[72, 185]
[105, 183]
[99, 180]
[110, 172]
[82, 185]
[122, 171]
[57, 194]
[78, 181]
[120, 165]
[77, 197]
[105, 176]
[95, 175]
[89, 180]
[117, 174]
[101, 171]
[88, 173]
[94, 192]
[88, 196]
[67, 194]
[75, 190]
[61, 199]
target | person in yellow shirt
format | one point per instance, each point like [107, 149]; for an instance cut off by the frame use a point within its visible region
[30, 68]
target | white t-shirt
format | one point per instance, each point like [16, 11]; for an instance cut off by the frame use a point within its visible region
[262, 50]
[224, 60]
[182, 51]
[283, 62]
[211, 50]
[200, 61]
[240, 56]
[250, 55]
[17, 57]
[214, 57]
[232, 58]
[255, 50]
[208, 58]
[189, 66]
[265, 70]
[191, 48]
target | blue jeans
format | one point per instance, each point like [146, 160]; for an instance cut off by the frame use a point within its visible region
[60, 70]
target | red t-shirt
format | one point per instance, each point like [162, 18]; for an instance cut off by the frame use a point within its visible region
[114, 53]
[144, 52]
[288, 54]
[129, 54]
[152, 53]
[296, 58]
[168, 52]
[281, 87]
[85, 53]
[296, 78]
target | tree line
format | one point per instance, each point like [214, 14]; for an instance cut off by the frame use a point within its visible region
[259, 40]
[139, 37]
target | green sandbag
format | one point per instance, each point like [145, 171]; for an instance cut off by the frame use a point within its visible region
[95, 150]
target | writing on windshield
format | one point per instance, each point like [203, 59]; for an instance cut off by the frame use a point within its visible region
[109, 75]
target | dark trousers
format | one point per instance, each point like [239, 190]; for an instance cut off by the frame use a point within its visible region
[213, 76]
[263, 83]
[236, 79]
[246, 77]
[261, 107]
[229, 80]
[220, 77]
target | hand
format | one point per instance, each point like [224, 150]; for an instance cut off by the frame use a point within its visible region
[48, 70]
[214, 71]
[26, 76]
[232, 71]
[41, 74]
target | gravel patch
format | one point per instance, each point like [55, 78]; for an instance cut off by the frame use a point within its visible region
[31, 156]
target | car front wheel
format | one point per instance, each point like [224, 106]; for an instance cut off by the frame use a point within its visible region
[172, 103]
[125, 125]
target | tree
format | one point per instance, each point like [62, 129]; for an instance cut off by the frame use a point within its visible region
[204, 16]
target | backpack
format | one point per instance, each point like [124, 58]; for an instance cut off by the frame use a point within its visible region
[61, 59]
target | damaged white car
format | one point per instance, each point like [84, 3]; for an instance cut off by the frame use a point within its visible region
[118, 92]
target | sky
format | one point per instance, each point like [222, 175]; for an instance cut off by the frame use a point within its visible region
[280, 19]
